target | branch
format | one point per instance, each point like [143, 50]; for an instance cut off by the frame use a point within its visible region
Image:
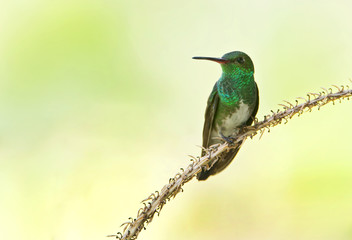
[155, 202]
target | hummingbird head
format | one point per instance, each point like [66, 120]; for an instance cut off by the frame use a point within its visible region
[233, 62]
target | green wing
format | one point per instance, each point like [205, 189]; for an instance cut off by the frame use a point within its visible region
[255, 110]
[210, 112]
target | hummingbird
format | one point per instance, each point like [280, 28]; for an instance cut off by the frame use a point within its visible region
[233, 103]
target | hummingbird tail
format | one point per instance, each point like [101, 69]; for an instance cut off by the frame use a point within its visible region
[203, 175]
[225, 159]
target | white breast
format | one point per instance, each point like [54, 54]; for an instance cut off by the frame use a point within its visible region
[233, 121]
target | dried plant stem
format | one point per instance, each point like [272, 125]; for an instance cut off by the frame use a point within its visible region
[155, 202]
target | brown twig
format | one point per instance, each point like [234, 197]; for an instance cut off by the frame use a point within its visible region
[155, 202]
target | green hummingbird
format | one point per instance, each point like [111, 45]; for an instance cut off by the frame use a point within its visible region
[233, 103]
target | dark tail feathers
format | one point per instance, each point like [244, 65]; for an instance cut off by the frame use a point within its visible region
[225, 159]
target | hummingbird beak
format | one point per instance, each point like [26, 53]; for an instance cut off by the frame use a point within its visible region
[218, 60]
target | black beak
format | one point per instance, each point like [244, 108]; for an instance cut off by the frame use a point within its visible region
[218, 60]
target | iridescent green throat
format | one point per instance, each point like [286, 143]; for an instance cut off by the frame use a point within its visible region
[236, 86]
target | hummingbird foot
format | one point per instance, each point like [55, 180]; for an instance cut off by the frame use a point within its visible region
[226, 139]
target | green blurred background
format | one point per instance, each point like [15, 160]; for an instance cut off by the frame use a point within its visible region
[100, 103]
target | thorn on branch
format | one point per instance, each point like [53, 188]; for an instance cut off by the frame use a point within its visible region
[325, 90]
[284, 106]
[117, 235]
[337, 88]
[177, 176]
[305, 100]
[290, 104]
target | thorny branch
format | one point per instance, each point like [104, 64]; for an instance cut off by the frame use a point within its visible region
[155, 201]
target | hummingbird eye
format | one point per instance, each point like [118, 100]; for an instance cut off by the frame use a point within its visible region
[240, 60]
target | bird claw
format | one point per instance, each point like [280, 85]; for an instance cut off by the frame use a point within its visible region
[226, 139]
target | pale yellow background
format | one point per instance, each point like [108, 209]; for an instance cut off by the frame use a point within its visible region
[100, 104]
